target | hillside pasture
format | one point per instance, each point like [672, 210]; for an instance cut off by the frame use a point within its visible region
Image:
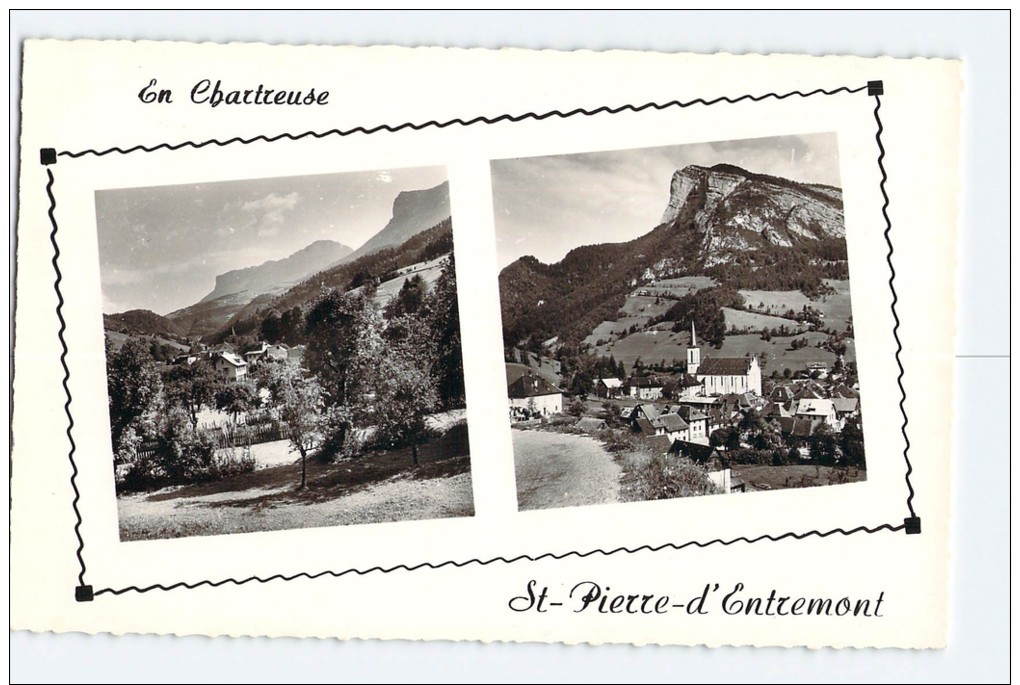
[607, 330]
[779, 356]
[738, 318]
[678, 287]
[835, 307]
[429, 271]
[650, 346]
[118, 340]
[645, 306]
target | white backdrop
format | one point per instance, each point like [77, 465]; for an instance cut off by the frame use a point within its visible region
[980, 566]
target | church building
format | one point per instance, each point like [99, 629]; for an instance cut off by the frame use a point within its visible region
[723, 375]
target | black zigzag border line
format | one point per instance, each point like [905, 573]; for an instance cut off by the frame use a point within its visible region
[84, 592]
[511, 118]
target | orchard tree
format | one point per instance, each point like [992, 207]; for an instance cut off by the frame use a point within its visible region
[405, 395]
[192, 386]
[301, 402]
[237, 398]
[444, 322]
[134, 385]
[334, 328]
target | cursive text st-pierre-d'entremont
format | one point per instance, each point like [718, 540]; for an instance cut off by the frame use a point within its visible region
[595, 598]
[214, 94]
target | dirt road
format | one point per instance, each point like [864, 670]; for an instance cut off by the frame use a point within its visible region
[562, 470]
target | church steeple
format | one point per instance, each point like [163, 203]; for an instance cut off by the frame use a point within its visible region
[693, 353]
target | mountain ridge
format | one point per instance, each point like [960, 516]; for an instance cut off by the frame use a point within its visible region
[413, 212]
[741, 228]
[264, 277]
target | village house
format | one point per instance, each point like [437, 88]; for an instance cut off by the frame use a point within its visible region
[717, 418]
[277, 352]
[650, 421]
[229, 366]
[845, 407]
[609, 388]
[818, 411]
[687, 386]
[817, 369]
[649, 388]
[531, 396]
[781, 393]
[697, 422]
[809, 391]
[252, 357]
[842, 390]
[723, 375]
[778, 410]
[800, 428]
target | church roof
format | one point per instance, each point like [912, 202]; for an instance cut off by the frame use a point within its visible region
[724, 366]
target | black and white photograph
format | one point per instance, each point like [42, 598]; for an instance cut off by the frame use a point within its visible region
[283, 353]
[677, 321]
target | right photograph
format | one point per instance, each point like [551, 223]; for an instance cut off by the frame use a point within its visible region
[677, 321]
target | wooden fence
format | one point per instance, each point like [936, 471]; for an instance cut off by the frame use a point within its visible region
[234, 435]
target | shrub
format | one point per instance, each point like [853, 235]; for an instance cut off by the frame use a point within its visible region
[665, 477]
[232, 462]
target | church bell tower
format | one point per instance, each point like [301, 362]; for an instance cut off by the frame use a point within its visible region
[693, 353]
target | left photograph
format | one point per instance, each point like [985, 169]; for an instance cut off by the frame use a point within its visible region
[283, 353]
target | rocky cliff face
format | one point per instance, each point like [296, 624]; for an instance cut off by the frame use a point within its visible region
[414, 211]
[273, 275]
[736, 210]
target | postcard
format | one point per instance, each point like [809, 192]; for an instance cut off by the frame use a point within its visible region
[424, 343]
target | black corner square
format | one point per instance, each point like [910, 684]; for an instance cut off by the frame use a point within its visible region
[83, 593]
[912, 525]
[47, 156]
[875, 88]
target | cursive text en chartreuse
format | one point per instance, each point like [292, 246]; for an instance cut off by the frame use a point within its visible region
[214, 94]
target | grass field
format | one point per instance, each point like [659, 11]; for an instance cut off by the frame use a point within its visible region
[681, 286]
[658, 343]
[377, 487]
[835, 307]
[644, 305]
[795, 476]
[738, 318]
[118, 339]
[429, 271]
[650, 346]
[779, 354]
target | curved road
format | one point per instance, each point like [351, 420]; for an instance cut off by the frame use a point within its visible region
[562, 470]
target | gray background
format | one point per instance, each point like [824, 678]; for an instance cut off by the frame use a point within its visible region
[979, 637]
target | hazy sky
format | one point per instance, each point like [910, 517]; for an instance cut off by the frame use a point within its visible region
[546, 206]
[161, 248]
